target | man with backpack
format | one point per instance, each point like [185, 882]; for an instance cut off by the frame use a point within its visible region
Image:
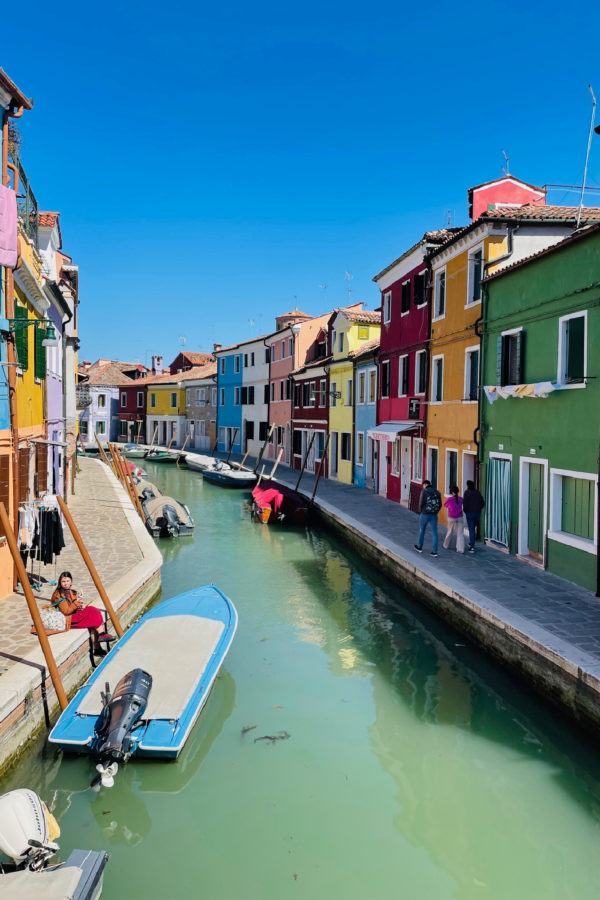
[430, 503]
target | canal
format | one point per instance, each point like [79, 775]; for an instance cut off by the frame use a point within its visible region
[412, 769]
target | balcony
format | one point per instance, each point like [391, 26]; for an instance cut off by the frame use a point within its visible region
[83, 396]
[27, 205]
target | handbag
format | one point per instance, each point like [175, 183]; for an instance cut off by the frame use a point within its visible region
[52, 619]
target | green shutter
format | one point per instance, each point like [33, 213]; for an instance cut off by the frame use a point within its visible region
[21, 338]
[498, 500]
[575, 349]
[577, 513]
[40, 353]
[520, 351]
[499, 347]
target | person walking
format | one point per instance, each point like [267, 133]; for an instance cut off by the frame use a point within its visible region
[430, 503]
[473, 504]
[456, 522]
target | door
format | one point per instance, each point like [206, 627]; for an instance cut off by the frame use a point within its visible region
[333, 456]
[310, 462]
[405, 443]
[498, 500]
[383, 470]
[468, 472]
[535, 516]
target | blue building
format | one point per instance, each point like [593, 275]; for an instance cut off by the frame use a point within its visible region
[365, 411]
[230, 366]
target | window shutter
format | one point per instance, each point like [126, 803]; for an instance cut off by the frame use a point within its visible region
[21, 338]
[40, 353]
[266, 396]
[520, 353]
[405, 366]
[251, 396]
[499, 353]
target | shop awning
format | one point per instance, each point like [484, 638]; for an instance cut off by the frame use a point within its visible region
[388, 430]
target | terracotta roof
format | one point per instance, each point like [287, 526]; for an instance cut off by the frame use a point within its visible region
[110, 374]
[553, 248]
[371, 317]
[11, 88]
[259, 337]
[196, 372]
[313, 364]
[430, 237]
[198, 359]
[367, 349]
[544, 213]
[48, 219]
[295, 312]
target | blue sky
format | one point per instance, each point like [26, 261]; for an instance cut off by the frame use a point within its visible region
[217, 167]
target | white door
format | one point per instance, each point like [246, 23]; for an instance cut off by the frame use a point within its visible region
[468, 472]
[383, 467]
[333, 456]
[405, 443]
[310, 463]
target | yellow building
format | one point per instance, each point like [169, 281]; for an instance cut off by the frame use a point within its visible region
[349, 329]
[165, 410]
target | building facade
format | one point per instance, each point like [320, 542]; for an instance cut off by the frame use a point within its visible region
[365, 361]
[201, 409]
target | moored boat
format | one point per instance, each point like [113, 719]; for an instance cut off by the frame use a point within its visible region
[134, 451]
[153, 703]
[167, 517]
[236, 478]
[275, 502]
[199, 462]
[167, 457]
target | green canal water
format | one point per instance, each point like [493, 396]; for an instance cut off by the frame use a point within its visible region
[413, 768]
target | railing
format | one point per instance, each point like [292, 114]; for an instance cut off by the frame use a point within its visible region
[27, 205]
[83, 396]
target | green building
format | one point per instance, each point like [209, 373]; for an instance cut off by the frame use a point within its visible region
[540, 407]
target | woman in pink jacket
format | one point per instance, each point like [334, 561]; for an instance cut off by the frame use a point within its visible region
[456, 522]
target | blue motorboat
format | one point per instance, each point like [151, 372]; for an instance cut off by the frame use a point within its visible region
[146, 695]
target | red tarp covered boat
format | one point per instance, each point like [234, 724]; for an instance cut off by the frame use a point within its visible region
[274, 502]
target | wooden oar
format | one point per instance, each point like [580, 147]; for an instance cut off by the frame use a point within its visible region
[241, 465]
[182, 449]
[308, 449]
[277, 461]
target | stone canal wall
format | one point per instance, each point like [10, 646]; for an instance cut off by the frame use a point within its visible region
[128, 563]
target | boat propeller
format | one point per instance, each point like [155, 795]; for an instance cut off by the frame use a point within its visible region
[105, 777]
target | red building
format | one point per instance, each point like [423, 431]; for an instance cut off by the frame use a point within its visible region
[132, 411]
[310, 412]
[403, 367]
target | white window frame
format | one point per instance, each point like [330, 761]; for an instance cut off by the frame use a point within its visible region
[188, 396]
[407, 281]
[152, 400]
[340, 340]
[447, 484]
[100, 426]
[222, 398]
[323, 392]
[236, 396]
[562, 350]
[214, 396]
[554, 531]
[436, 315]
[140, 399]
[361, 392]
[342, 435]
[386, 362]
[237, 363]
[418, 354]
[360, 448]
[372, 382]
[431, 447]
[173, 399]
[332, 391]
[349, 391]
[467, 370]
[101, 405]
[472, 251]
[396, 450]
[222, 365]
[312, 394]
[387, 307]
[123, 399]
[417, 457]
[433, 381]
[84, 427]
[402, 360]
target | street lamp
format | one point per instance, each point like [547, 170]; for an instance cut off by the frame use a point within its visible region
[9, 326]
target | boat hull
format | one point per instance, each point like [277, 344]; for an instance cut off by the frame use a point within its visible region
[276, 503]
[166, 634]
[232, 478]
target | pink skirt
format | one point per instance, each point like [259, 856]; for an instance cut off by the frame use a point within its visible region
[88, 617]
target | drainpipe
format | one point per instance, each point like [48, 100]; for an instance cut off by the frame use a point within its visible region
[270, 349]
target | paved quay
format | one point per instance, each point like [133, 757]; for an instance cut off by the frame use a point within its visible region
[542, 627]
[128, 563]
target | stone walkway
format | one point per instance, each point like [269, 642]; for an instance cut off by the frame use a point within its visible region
[107, 534]
[554, 612]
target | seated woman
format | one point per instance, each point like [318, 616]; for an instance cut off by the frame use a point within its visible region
[77, 615]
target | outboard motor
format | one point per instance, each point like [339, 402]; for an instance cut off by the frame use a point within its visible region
[113, 741]
[169, 521]
[146, 494]
[27, 830]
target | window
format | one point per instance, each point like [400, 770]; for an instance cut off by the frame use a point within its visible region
[346, 448]
[101, 427]
[403, 367]
[419, 293]
[451, 469]
[297, 442]
[288, 389]
[363, 332]
[222, 435]
[83, 428]
[266, 394]
[437, 386]
[360, 449]
[214, 396]
[236, 363]
[475, 276]
[122, 428]
[281, 390]
[188, 395]
[362, 384]
[244, 396]
[40, 353]
[306, 394]
[349, 392]
[123, 399]
[140, 399]
[471, 373]
[439, 301]
[396, 457]
[320, 444]
[201, 427]
[222, 398]
[291, 347]
[432, 465]
[22, 338]
[341, 342]
[372, 385]
[572, 349]
[387, 306]
[573, 499]
[420, 371]
[406, 294]
[279, 435]
[245, 360]
[417, 460]
[251, 395]
[249, 430]
[273, 391]
[152, 400]
[174, 400]
[199, 397]
[101, 401]
[236, 396]
[282, 349]
[267, 356]
[263, 431]
[312, 394]
[323, 393]
[332, 393]
[296, 395]
[252, 358]
[222, 365]
[385, 378]
[509, 359]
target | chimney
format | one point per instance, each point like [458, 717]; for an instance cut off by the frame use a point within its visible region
[217, 347]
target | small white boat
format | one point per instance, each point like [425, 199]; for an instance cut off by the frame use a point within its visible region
[200, 463]
[134, 451]
[167, 517]
[235, 478]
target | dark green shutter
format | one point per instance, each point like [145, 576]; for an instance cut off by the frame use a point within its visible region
[40, 353]
[499, 348]
[21, 338]
[575, 349]
[520, 353]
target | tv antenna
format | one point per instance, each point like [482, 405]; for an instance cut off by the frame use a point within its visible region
[505, 168]
[587, 155]
[182, 340]
[349, 276]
